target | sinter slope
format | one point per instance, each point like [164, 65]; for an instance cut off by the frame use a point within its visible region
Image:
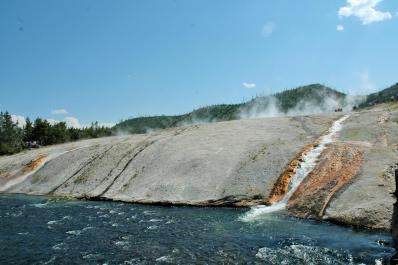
[227, 163]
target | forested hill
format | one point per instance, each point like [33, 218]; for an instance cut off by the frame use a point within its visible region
[388, 94]
[309, 99]
[41, 132]
[207, 114]
[318, 94]
[294, 99]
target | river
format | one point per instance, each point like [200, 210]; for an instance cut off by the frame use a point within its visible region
[39, 230]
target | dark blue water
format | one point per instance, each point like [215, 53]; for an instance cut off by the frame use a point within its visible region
[35, 230]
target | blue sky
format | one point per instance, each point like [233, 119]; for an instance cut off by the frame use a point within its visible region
[87, 60]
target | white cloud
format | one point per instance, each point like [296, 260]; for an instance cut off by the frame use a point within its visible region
[107, 124]
[340, 27]
[248, 85]
[59, 112]
[70, 122]
[365, 10]
[73, 122]
[268, 29]
[52, 121]
[19, 119]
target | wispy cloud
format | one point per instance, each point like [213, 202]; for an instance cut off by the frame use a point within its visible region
[365, 10]
[268, 29]
[106, 124]
[59, 112]
[366, 83]
[52, 121]
[18, 119]
[248, 85]
[340, 27]
[70, 122]
[73, 122]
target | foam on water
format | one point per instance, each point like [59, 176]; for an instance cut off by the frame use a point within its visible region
[53, 222]
[149, 212]
[154, 220]
[165, 259]
[74, 232]
[40, 205]
[121, 243]
[305, 167]
[79, 232]
[306, 254]
[195, 235]
[92, 256]
[60, 246]
[67, 217]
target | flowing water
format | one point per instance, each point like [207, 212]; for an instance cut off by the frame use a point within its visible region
[37, 230]
[308, 164]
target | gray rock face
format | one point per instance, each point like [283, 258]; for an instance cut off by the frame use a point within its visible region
[226, 163]
[368, 201]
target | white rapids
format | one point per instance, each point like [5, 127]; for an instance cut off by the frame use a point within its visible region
[305, 167]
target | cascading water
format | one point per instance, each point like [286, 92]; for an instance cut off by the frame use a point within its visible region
[306, 166]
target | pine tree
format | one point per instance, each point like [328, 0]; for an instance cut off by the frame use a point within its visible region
[41, 131]
[11, 137]
[28, 131]
[14, 139]
[58, 133]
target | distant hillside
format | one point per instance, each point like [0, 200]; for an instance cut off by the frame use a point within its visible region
[385, 95]
[316, 93]
[307, 99]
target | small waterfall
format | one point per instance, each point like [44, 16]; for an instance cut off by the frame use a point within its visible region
[305, 167]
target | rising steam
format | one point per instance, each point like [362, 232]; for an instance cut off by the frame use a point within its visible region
[271, 106]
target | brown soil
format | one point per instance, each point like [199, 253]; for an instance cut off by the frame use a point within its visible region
[338, 164]
[26, 169]
[33, 164]
[281, 187]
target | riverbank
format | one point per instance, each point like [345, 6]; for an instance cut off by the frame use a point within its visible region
[233, 163]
